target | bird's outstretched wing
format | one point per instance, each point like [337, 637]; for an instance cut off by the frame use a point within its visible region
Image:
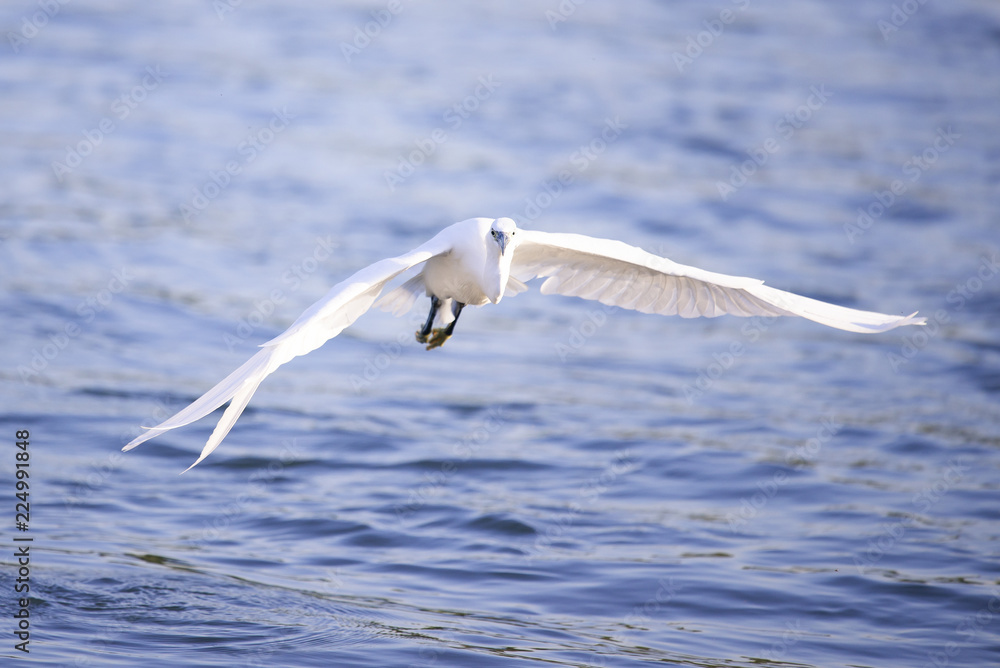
[342, 305]
[618, 274]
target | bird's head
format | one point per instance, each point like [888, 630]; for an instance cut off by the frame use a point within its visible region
[503, 231]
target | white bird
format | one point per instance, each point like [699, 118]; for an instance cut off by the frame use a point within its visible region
[480, 260]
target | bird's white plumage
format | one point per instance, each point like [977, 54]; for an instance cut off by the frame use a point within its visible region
[342, 305]
[617, 274]
[478, 261]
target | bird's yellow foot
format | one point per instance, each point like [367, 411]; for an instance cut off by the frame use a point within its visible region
[421, 337]
[437, 338]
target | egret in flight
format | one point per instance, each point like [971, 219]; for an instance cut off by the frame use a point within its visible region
[478, 261]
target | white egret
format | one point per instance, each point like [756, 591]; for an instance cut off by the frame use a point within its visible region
[478, 261]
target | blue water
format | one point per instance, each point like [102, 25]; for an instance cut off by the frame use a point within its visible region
[561, 484]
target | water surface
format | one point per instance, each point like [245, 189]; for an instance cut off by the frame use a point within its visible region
[561, 484]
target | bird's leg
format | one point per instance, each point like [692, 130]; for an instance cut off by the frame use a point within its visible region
[424, 331]
[442, 334]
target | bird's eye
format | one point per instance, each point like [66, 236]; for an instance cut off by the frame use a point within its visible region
[494, 234]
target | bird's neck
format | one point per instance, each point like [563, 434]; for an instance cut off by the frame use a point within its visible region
[496, 272]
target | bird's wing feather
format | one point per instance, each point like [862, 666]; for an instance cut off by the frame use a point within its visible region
[342, 305]
[514, 286]
[400, 300]
[617, 274]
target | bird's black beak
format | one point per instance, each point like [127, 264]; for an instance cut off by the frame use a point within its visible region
[502, 240]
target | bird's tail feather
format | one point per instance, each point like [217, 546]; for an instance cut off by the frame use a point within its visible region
[233, 412]
[238, 386]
